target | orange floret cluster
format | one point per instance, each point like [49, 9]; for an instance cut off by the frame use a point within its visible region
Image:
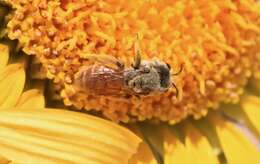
[212, 38]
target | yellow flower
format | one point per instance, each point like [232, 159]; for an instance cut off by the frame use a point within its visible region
[31, 133]
[217, 41]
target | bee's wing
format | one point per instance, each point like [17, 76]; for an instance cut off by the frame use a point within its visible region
[107, 60]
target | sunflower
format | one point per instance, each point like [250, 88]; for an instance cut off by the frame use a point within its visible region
[215, 118]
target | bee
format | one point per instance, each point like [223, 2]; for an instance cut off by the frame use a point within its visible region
[110, 77]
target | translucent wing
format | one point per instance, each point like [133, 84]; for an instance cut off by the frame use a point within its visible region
[106, 60]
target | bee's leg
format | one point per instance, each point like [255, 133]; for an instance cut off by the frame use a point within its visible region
[177, 90]
[106, 60]
[137, 59]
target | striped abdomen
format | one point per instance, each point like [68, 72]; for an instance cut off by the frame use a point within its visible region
[100, 80]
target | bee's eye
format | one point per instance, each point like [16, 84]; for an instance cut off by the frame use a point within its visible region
[168, 65]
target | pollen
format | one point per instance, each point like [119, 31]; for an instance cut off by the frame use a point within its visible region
[213, 40]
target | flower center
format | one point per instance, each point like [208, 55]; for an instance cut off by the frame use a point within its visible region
[210, 38]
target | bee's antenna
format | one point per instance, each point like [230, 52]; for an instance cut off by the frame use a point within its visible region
[137, 58]
[177, 90]
[177, 73]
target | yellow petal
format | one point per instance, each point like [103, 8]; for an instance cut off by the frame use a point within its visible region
[251, 107]
[12, 80]
[59, 136]
[144, 154]
[174, 150]
[210, 133]
[31, 98]
[4, 56]
[198, 147]
[237, 148]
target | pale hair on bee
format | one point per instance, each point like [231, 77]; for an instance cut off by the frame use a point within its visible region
[109, 77]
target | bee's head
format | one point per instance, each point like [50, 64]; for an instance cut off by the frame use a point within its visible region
[163, 69]
[152, 76]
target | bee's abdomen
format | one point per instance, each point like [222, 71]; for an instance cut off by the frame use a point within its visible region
[99, 80]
